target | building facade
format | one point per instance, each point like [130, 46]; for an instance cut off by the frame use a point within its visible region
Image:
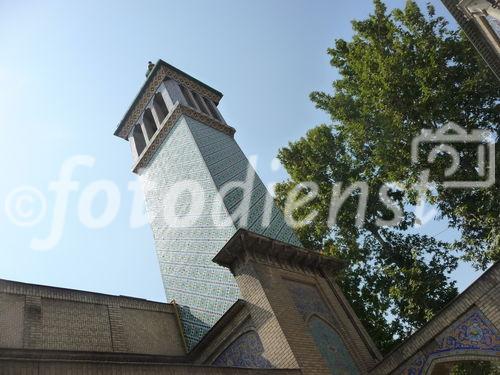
[247, 298]
[480, 21]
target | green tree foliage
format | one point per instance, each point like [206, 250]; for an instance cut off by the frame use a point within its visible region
[402, 71]
[476, 368]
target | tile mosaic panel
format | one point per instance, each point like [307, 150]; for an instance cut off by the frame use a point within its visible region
[246, 351]
[473, 334]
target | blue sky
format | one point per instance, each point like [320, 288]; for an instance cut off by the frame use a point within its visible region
[69, 70]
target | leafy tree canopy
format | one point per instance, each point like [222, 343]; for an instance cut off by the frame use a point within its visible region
[403, 71]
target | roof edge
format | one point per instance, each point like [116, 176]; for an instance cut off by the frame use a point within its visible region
[10, 287]
[247, 244]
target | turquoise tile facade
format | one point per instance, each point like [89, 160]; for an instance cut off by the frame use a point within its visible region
[332, 348]
[227, 163]
[196, 152]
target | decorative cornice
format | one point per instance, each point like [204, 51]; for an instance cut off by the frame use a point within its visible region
[161, 72]
[246, 245]
[167, 125]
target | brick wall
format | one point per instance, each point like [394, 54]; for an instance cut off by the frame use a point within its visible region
[11, 320]
[302, 318]
[285, 331]
[33, 367]
[151, 332]
[45, 318]
[70, 325]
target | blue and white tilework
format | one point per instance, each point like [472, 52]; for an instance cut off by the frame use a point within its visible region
[246, 351]
[472, 334]
[196, 152]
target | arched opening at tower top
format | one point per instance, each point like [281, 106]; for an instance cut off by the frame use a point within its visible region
[160, 107]
[139, 140]
[149, 123]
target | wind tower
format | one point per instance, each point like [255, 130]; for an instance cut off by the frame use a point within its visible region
[192, 168]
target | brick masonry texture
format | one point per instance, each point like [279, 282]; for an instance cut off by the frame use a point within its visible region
[68, 325]
[284, 325]
[45, 318]
[324, 326]
[33, 367]
[150, 332]
[11, 320]
[268, 273]
[277, 349]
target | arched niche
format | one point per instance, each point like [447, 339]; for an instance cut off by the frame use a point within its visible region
[473, 337]
[332, 346]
